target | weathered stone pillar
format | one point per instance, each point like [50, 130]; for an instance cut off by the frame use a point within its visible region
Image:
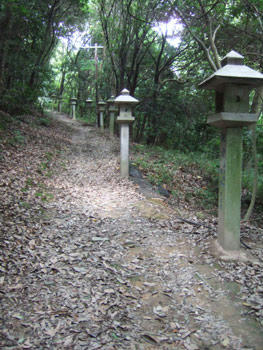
[125, 118]
[230, 188]
[53, 99]
[60, 104]
[73, 102]
[232, 83]
[88, 105]
[102, 107]
[112, 108]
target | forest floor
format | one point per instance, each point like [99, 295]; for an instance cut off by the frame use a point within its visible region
[92, 261]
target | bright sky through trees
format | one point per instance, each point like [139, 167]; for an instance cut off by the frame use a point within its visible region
[173, 29]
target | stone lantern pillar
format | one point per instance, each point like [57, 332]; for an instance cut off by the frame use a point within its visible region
[112, 108]
[125, 118]
[232, 83]
[73, 102]
[53, 99]
[102, 107]
[60, 104]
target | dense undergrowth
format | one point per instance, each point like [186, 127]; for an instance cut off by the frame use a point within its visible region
[192, 177]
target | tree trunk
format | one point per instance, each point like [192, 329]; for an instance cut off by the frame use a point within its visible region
[8, 23]
[256, 108]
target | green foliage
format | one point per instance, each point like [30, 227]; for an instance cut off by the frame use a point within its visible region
[17, 138]
[44, 196]
[161, 165]
[248, 168]
[5, 120]
[44, 121]
[29, 33]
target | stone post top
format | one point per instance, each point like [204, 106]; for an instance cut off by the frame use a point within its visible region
[88, 100]
[125, 98]
[102, 106]
[233, 71]
[232, 57]
[73, 99]
[111, 100]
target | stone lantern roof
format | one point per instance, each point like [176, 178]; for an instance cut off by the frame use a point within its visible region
[111, 104]
[88, 101]
[233, 71]
[111, 100]
[102, 106]
[125, 98]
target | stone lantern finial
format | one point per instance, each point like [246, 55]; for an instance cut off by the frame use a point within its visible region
[232, 57]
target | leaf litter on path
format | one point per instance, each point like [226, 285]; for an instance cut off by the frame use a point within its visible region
[84, 268]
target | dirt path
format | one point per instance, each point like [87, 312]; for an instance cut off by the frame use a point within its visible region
[117, 270]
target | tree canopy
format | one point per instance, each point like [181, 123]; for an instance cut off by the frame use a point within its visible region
[38, 57]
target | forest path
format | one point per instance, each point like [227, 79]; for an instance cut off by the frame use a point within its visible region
[118, 270]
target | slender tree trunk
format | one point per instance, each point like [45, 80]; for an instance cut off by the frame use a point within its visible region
[256, 108]
[8, 23]
[255, 175]
[62, 83]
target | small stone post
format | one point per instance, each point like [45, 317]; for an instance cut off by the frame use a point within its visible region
[60, 104]
[125, 101]
[88, 105]
[233, 83]
[53, 99]
[102, 107]
[73, 102]
[112, 108]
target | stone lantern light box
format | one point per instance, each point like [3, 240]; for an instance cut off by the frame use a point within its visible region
[125, 102]
[73, 100]
[232, 83]
[111, 104]
[102, 106]
[88, 102]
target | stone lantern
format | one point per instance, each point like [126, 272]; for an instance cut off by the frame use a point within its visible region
[73, 102]
[233, 84]
[59, 103]
[101, 107]
[53, 99]
[88, 105]
[112, 108]
[125, 118]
